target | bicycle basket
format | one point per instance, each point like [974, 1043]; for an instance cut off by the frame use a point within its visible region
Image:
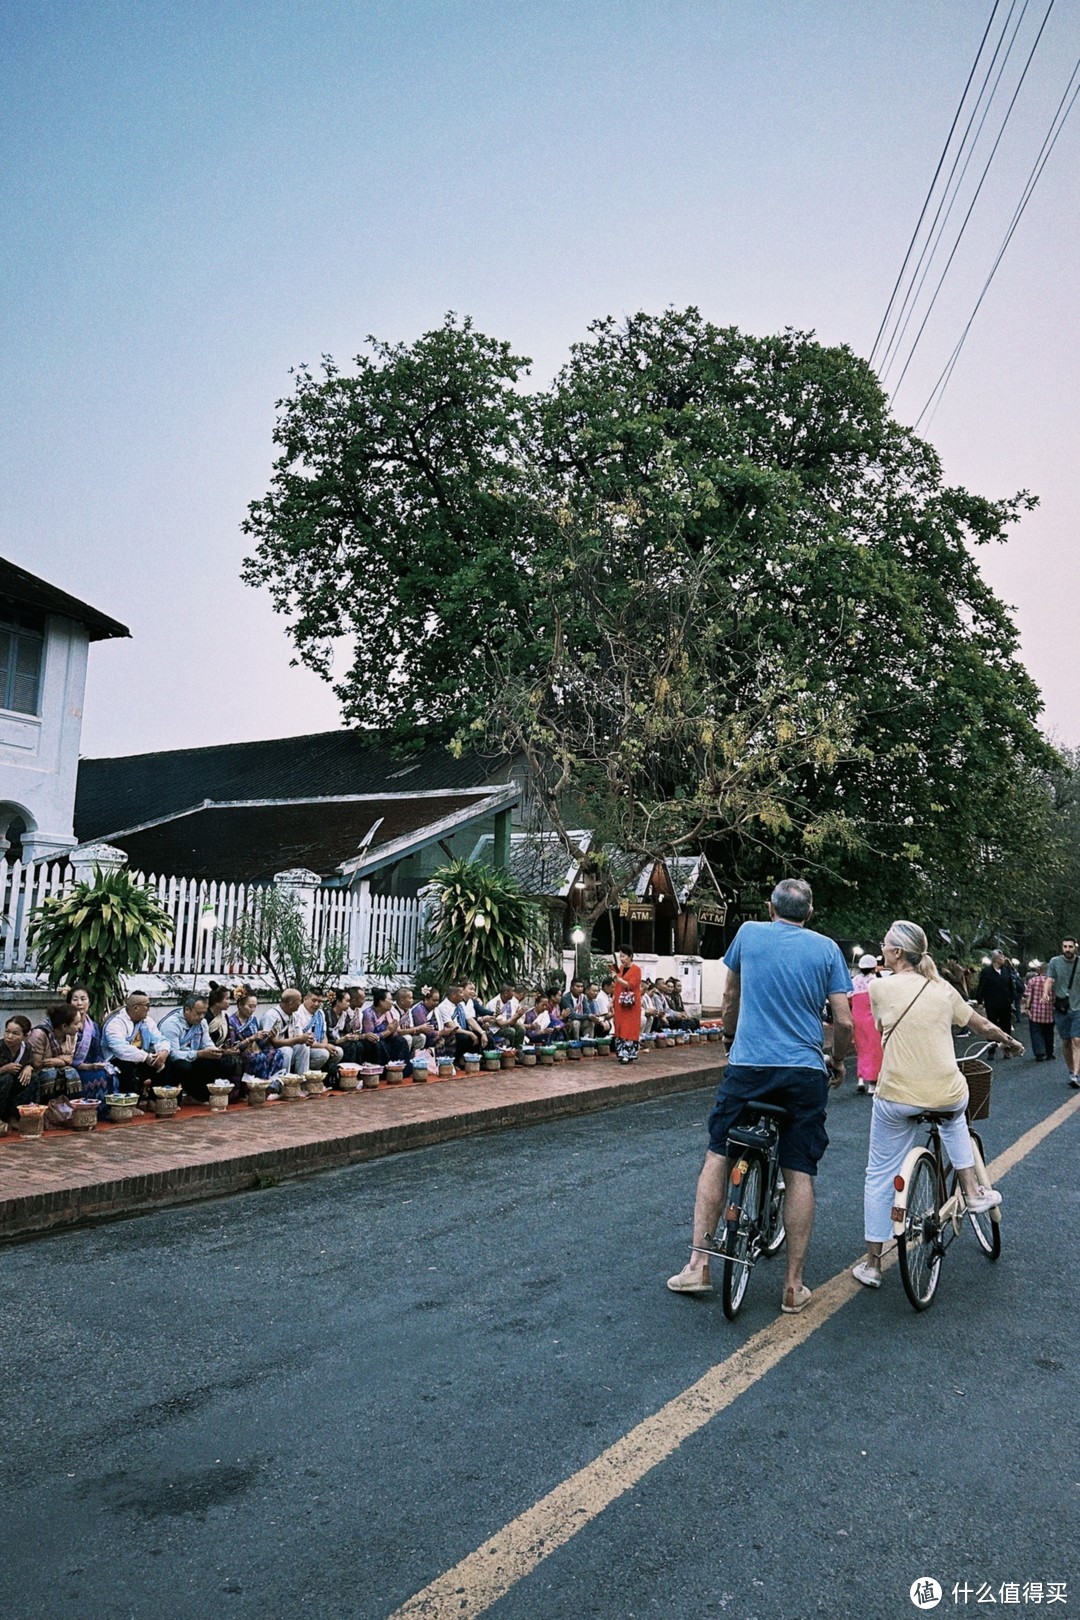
[978, 1076]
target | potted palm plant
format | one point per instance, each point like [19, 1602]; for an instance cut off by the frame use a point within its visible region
[98, 931]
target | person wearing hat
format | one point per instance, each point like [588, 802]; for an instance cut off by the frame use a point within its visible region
[867, 1039]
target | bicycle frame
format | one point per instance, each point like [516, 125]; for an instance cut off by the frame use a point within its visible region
[755, 1227]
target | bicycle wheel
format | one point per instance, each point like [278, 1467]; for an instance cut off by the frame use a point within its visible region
[987, 1230]
[776, 1231]
[739, 1239]
[918, 1249]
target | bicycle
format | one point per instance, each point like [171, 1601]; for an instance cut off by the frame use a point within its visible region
[928, 1210]
[754, 1209]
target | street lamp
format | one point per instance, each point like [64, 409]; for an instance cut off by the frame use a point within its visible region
[578, 936]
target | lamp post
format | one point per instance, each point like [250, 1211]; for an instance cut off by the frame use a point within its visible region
[578, 936]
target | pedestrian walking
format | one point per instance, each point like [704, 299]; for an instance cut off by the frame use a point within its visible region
[1038, 1004]
[1062, 970]
[995, 991]
[780, 975]
[867, 1039]
[627, 1011]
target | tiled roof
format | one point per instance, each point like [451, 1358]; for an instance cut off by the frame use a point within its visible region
[538, 861]
[16, 585]
[135, 788]
[249, 843]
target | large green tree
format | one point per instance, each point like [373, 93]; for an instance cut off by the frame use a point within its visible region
[704, 580]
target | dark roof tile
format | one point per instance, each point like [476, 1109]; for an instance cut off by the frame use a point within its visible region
[127, 791]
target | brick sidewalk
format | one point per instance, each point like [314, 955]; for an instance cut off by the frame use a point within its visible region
[67, 1177]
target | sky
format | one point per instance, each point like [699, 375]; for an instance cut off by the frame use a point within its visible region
[197, 196]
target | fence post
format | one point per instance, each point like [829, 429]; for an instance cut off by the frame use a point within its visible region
[360, 928]
[300, 884]
[106, 857]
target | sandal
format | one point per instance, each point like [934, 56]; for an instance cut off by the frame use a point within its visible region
[793, 1302]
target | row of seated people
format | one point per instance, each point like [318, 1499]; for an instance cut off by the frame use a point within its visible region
[222, 1034]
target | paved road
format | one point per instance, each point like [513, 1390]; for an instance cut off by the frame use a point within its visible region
[314, 1399]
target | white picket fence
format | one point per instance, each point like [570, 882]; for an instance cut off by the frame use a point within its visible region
[381, 930]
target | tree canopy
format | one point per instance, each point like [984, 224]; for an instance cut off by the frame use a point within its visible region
[704, 581]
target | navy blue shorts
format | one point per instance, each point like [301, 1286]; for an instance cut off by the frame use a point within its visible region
[804, 1092]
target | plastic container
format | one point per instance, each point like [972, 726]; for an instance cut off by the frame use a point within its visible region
[446, 1068]
[527, 1057]
[420, 1071]
[370, 1075]
[348, 1076]
[573, 1052]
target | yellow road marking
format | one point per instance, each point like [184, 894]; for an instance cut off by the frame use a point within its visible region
[513, 1552]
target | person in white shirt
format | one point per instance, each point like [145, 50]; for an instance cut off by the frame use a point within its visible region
[509, 1018]
[452, 1022]
[599, 1005]
[134, 1044]
[298, 1026]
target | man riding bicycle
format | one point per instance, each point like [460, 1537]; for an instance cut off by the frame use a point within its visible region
[780, 975]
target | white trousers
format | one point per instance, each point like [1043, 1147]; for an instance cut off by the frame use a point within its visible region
[892, 1135]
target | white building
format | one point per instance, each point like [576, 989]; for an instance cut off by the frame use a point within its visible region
[44, 637]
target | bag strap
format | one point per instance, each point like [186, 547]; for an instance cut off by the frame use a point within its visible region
[1072, 975]
[903, 1015]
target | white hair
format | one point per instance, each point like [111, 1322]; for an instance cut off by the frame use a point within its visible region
[908, 938]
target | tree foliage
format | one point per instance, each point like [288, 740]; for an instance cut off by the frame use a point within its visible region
[705, 582]
[480, 927]
[97, 932]
[272, 936]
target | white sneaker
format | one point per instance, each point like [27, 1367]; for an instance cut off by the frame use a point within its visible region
[986, 1198]
[868, 1275]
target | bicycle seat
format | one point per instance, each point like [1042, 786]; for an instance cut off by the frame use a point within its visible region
[937, 1116]
[763, 1110]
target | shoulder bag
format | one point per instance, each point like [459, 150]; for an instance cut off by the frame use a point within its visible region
[1062, 1003]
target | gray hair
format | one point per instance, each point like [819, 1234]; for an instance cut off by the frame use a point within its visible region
[792, 899]
[192, 1001]
[908, 938]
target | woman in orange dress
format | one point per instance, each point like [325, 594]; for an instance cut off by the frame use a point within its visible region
[627, 1007]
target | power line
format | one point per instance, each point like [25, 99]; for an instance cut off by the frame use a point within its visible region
[933, 183]
[932, 243]
[1033, 179]
[974, 200]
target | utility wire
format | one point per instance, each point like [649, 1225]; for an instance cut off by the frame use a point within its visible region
[974, 200]
[933, 183]
[933, 242]
[1033, 179]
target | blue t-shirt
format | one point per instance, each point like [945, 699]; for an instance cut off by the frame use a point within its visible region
[786, 976]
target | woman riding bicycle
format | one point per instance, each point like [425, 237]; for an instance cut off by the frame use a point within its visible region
[916, 1012]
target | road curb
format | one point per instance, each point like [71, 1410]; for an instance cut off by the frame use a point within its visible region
[114, 1196]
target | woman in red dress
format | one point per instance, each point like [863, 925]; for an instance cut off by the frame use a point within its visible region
[627, 1007]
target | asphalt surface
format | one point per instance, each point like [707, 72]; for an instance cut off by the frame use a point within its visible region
[313, 1399]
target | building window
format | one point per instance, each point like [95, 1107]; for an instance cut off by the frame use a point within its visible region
[22, 647]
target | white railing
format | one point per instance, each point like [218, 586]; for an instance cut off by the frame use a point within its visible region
[393, 936]
[21, 889]
[382, 930]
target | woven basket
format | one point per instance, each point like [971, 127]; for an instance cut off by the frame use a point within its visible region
[978, 1076]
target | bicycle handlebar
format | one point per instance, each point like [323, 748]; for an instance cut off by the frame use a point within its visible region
[980, 1050]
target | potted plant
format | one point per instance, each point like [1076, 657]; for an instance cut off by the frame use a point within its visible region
[98, 931]
[480, 926]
